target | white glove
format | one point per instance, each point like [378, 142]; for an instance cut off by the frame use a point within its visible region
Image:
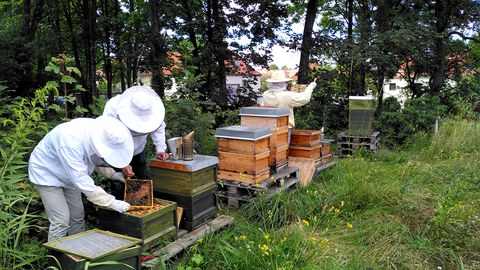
[120, 206]
[118, 176]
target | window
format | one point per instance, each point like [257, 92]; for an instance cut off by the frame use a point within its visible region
[392, 86]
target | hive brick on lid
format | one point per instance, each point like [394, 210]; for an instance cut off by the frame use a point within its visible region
[248, 162]
[264, 116]
[191, 184]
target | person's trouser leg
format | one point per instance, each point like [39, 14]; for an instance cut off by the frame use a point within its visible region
[60, 205]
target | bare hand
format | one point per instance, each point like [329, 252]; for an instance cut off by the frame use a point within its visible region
[163, 155]
[127, 171]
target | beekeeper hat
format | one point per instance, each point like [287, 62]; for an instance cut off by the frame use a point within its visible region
[141, 109]
[112, 141]
[278, 76]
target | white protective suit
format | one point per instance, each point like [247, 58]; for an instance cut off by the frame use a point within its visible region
[288, 99]
[65, 158]
[139, 141]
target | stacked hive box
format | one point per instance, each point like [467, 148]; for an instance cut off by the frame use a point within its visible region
[360, 115]
[305, 144]
[243, 153]
[277, 120]
[325, 154]
[153, 226]
[191, 184]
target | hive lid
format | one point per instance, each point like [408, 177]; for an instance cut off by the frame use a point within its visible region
[197, 163]
[93, 244]
[264, 111]
[243, 133]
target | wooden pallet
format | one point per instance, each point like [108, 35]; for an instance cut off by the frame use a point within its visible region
[185, 240]
[348, 145]
[237, 193]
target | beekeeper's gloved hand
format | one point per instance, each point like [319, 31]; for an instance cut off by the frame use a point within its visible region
[118, 176]
[120, 206]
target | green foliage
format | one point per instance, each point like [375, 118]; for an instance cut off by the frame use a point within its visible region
[418, 115]
[184, 115]
[20, 129]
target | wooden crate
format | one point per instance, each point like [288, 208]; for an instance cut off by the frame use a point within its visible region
[327, 159]
[243, 146]
[325, 147]
[197, 210]
[243, 163]
[278, 156]
[305, 152]
[185, 178]
[279, 137]
[153, 227]
[244, 178]
[264, 116]
[95, 246]
[305, 138]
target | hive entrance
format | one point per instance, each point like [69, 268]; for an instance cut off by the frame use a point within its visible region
[139, 193]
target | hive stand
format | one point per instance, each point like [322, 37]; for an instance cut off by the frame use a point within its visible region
[348, 145]
[238, 192]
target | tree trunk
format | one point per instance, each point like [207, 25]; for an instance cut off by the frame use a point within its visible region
[307, 42]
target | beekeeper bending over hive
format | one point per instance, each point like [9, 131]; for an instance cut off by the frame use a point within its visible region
[141, 110]
[278, 96]
[61, 164]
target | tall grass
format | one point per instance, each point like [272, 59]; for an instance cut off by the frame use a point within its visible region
[412, 209]
[21, 122]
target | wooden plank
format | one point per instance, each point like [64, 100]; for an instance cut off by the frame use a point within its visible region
[306, 168]
[169, 251]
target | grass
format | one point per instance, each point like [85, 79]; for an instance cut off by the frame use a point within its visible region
[413, 209]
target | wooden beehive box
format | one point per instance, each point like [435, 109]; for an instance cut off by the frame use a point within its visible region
[264, 116]
[153, 226]
[95, 246]
[197, 209]
[184, 178]
[325, 147]
[240, 164]
[279, 137]
[305, 152]
[305, 138]
[278, 156]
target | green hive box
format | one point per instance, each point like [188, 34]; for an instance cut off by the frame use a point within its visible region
[361, 109]
[95, 247]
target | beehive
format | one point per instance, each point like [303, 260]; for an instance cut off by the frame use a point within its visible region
[264, 116]
[95, 246]
[305, 138]
[252, 161]
[305, 152]
[191, 184]
[150, 225]
[361, 110]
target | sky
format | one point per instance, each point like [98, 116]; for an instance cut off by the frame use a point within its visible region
[283, 57]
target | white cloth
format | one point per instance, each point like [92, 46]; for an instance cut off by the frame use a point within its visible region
[65, 157]
[139, 142]
[288, 99]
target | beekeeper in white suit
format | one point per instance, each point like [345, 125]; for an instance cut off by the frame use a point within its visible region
[142, 111]
[61, 164]
[278, 96]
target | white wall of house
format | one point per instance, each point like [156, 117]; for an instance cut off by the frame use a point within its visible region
[237, 81]
[395, 87]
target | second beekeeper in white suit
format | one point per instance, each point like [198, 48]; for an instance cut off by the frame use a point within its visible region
[61, 164]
